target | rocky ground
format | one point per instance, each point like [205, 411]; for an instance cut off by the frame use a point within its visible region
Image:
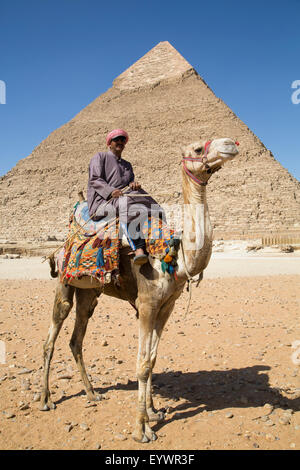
[227, 375]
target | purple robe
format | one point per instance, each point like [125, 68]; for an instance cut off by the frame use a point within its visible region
[107, 172]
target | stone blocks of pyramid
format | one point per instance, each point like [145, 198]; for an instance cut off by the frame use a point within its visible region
[163, 104]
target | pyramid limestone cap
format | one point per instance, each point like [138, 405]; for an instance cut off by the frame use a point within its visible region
[162, 62]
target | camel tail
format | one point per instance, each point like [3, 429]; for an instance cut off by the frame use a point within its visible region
[52, 263]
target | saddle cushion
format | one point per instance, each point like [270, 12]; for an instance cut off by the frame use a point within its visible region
[82, 217]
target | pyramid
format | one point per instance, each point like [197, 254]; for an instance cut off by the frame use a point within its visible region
[163, 103]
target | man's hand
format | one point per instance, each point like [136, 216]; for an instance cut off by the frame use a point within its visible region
[116, 193]
[135, 185]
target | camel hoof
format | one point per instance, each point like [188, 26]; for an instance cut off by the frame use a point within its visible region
[95, 397]
[160, 416]
[44, 408]
[47, 407]
[152, 437]
[144, 439]
[157, 416]
[145, 434]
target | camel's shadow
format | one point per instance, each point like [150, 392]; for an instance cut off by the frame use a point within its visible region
[210, 390]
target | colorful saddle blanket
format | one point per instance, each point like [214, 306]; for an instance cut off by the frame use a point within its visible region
[82, 217]
[93, 248]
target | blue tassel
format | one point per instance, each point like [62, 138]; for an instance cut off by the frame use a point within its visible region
[164, 266]
[100, 259]
[170, 269]
[78, 256]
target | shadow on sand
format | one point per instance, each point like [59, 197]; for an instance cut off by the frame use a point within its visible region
[210, 390]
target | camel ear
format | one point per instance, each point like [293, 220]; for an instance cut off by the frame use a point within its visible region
[182, 149]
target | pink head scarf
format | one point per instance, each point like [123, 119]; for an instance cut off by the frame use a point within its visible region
[116, 133]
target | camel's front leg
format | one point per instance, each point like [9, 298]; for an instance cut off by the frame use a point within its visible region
[143, 432]
[161, 320]
[153, 414]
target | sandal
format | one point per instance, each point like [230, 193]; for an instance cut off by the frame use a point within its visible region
[140, 259]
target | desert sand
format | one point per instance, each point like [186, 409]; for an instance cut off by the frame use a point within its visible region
[227, 375]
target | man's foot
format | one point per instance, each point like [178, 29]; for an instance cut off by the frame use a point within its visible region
[140, 257]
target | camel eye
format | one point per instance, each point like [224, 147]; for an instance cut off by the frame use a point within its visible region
[198, 150]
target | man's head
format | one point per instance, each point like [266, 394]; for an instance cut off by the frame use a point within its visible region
[116, 141]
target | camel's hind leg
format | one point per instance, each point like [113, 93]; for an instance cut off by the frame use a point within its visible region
[86, 301]
[62, 306]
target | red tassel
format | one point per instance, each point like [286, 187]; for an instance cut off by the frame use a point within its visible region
[97, 243]
[66, 260]
[80, 248]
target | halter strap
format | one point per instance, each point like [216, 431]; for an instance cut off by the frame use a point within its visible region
[194, 178]
[202, 159]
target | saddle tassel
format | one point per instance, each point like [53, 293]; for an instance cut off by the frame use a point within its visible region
[100, 259]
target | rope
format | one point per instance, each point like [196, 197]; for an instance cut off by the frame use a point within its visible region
[189, 289]
[190, 281]
[149, 195]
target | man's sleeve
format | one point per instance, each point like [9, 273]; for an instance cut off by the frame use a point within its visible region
[96, 179]
[131, 176]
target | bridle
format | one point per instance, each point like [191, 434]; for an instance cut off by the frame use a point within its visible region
[203, 159]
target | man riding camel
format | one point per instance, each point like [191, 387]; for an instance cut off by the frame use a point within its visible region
[109, 173]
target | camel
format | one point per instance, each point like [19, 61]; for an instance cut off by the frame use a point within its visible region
[152, 292]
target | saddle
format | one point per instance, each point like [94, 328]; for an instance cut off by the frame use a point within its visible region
[93, 247]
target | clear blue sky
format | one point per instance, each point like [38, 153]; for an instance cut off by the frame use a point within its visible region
[56, 56]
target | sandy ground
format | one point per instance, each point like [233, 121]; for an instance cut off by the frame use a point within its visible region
[226, 375]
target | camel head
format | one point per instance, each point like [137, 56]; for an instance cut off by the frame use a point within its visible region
[201, 159]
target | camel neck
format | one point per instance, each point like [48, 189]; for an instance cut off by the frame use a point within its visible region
[197, 231]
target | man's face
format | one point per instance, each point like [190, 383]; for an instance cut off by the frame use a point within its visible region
[117, 145]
